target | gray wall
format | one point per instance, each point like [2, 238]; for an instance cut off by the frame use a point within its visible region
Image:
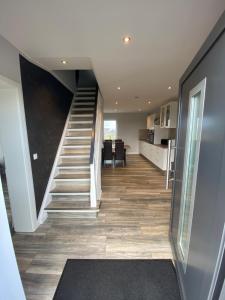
[67, 77]
[1, 155]
[9, 60]
[128, 125]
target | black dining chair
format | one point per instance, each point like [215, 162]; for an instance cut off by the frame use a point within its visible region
[118, 140]
[120, 153]
[107, 151]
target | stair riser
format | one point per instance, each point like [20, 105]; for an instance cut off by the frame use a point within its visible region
[76, 124]
[84, 99]
[77, 142]
[72, 168]
[78, 147]
[80, 139]
[81, 151]
[86, 172]
[86, 88]
[81, 131]
[83, 104]
[72, 181]
[86, 93]
[80, 126]
[86, 133]
[82, 117]
[74, 160]
[82, 114]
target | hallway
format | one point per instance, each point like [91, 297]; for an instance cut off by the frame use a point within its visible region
[133, 223]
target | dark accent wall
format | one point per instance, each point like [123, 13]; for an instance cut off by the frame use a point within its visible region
[47, 104]
[86, 78]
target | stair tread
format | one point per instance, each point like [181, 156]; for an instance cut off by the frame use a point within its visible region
[72, 176]
[77, 164]
[75, 155]
[78, 151]
[71, 189]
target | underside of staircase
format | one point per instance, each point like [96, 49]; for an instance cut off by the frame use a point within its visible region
[70, 187]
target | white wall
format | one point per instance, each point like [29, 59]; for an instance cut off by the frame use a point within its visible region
[13, 139]
[9, 60]
[128, 125]
[10, 281]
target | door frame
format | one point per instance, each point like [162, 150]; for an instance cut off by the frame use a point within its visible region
[215, 34]
[18, 165]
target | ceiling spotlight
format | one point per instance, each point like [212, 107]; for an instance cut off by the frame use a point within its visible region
[169, 87]
[118, 88]
[126, 40]
[149, 102]
[64, 62]
[116, 102]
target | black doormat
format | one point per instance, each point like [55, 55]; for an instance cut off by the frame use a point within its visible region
[118, 280]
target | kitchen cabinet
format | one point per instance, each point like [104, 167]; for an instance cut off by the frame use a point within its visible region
[168, 115]
[156, 154]
[151, 121]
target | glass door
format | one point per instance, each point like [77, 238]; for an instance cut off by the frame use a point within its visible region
[191, 157]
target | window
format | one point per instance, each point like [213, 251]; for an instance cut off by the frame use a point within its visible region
[110, 130]
[191, 157]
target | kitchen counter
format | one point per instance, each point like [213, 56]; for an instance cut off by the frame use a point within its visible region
[157, 154]
[161, 146]
[157, 145]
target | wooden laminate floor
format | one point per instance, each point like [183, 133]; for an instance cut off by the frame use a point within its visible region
[133, 223]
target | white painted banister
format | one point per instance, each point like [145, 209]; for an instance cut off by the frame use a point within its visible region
[95, 166]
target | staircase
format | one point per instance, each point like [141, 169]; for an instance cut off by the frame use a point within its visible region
[69, 191]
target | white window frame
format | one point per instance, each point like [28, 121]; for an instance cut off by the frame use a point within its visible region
[115, 129]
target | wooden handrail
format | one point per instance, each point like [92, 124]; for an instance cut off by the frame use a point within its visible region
[93, 128]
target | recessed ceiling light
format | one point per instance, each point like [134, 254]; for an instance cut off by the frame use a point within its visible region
[139, 109]
[64, 62]
[116, 102]
[169, 87]
[149, 102]
[126, 40]
[118, 88]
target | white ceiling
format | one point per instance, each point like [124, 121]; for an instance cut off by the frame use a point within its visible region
[165, 37]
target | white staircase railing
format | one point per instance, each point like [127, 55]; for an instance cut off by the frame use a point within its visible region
[96, 153]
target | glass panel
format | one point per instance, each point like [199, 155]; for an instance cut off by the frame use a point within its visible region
[191, 156]
[162, 116]
[167, 115]
[110, 130]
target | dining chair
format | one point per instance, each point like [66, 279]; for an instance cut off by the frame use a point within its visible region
[107, 151]
[120, 153]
